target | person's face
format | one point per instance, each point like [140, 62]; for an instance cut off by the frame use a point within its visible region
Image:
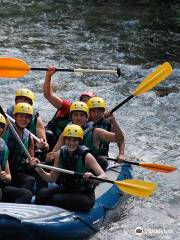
[96, 114]
[84, 98]
[22, 99]
[72, 143]
[2, 126]
[79, 118]
[22, 119]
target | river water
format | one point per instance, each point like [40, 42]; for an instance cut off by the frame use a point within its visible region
[136, 36]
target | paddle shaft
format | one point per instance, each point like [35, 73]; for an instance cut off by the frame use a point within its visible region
[121, 104]
[149, 166]
[72, 173]
[124, 161]
[117, 71]
[57, 69]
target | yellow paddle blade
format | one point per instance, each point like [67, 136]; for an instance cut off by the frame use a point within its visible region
[158, 167]
[136, 187]
[13, 68]
[154, 78]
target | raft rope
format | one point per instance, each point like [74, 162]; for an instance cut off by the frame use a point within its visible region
[85, 223]
[114, 170]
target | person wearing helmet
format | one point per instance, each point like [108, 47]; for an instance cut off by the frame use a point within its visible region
[24, 95]
[22, 113]
[61, 118]
[4, 152]
[79, 114]
[21, 173]
[93, 139]
[36, 126]
[97, 107]
[5, 175]
[73, 193]
[2, 124]
[7, 192]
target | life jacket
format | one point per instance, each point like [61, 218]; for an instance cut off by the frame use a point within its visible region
[4, 153]
[17, 157]
[58, 123]
[77, 164]
[88, 139]
[88, 142]
[32, 125]
[104, 146]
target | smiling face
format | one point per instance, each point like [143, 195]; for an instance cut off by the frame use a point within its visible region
[78, 117]
[72, 143]
[22, 119]
[96, 114]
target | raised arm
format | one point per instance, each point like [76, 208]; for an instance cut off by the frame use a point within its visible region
[56, 101]
[91, 162]
[117, 136]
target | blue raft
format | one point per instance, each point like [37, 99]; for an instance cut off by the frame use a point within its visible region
[36, 222]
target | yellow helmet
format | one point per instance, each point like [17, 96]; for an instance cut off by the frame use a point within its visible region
[23, 108]
[24, 92]
[96, 102]
[79, 106]
[2, 119]
[73, 130]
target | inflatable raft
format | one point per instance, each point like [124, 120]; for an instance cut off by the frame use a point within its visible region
[37, 222]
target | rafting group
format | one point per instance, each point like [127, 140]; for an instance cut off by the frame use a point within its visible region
[73, 147]
[76, 138]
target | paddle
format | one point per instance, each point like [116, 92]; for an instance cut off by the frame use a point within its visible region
[149, 166]
[151, 80]
[134, 187]
[15, 68]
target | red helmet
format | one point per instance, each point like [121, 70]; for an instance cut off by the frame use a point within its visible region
[88, 93]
